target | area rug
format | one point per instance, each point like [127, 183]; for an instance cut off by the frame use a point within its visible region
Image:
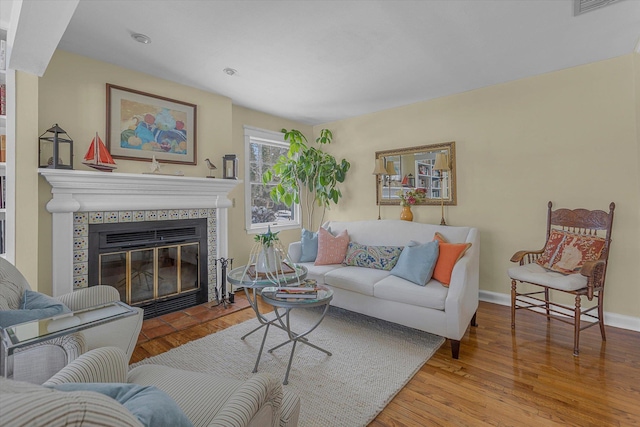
[371, 361]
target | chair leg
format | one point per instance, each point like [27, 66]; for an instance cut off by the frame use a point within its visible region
[601, 314]
[576, 327]
[513, 303]
[546, 302]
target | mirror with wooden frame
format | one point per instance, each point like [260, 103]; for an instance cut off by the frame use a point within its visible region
[418, 167]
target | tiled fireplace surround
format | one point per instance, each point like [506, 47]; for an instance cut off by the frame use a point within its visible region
[81, 198]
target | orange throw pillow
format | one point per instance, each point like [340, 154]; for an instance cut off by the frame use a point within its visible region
[450, 253]
[331, 249]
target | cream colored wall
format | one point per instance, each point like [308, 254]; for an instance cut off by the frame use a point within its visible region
[26, 149]
[242, 241]
[72, 93]
[568, 136]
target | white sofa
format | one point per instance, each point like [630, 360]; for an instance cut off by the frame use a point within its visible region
[433, 308]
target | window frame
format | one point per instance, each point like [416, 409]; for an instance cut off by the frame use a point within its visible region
[257, 135]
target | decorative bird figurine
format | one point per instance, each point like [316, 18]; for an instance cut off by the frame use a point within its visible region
[211, 167]
[155, 165]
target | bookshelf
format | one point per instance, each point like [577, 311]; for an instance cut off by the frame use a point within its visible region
[7, 154]
[428, 178]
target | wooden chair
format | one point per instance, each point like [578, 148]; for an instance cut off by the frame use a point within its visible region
[567, 231]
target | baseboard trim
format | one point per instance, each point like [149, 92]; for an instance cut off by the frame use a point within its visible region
[610, 319]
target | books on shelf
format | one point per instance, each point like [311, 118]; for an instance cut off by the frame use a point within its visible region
[3, 148]
[297, 292]
[3, 100]
[3, 55]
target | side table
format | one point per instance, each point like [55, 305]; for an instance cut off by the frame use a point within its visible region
[325, 295]
[37, 331]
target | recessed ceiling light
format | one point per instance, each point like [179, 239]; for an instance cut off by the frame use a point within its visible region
[141, 38]
[230, 71]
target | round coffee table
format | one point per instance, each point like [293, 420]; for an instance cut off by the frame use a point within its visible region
[324, 297]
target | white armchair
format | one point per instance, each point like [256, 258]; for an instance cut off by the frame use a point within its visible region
[39, 362]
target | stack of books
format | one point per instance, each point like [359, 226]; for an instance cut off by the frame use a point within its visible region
[297, 292]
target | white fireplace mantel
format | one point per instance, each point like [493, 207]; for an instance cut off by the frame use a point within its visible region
[87, 191]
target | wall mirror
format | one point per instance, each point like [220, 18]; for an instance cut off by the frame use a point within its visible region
[418, 167]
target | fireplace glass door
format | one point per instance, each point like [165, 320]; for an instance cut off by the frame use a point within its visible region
[142, 275]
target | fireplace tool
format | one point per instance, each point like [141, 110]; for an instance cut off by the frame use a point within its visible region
[221, 295]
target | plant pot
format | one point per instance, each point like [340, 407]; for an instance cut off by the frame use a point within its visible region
[406, 214]
[268, 260]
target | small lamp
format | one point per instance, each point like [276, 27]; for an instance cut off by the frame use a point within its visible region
[442, 166]
[56, 149]
[230, 166]
[378, 171]
[391, 170]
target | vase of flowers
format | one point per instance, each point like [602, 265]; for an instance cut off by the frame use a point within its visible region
[408, 199]
[269, 258]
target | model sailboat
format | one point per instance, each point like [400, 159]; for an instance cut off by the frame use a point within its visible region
[98, 157]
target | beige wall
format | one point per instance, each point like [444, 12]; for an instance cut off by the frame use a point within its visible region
[26, 147]
[568, 136]
[72, 93]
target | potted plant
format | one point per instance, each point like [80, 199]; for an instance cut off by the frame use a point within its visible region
[307, 174]
[269, 258]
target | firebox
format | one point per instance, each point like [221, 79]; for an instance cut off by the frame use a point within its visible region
[160, 266]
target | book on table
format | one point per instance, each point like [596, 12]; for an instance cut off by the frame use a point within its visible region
[296, 292]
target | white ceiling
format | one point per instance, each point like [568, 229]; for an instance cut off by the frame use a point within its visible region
[320, 61]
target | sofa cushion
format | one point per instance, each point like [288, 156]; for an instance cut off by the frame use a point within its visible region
[356, 279]
[379, 257]
[416, 262]
[34, 306]
[150, 405]
[536, 274]
[567, 252]
[317, 272]
[393, 288]
[331, 249]
[309, 248]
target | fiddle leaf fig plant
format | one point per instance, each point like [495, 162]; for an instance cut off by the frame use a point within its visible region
[307, 175]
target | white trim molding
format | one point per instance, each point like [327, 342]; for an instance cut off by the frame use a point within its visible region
[610, 319]
[85, 191]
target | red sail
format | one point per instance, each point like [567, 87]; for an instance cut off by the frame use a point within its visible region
[98, 157]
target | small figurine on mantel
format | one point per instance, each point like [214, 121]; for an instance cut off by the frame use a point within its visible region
[155, 165]
[211, 167]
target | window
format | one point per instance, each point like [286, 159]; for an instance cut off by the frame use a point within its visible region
[262, 150]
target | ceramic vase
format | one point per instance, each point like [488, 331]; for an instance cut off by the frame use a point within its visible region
[268, 260]
[406, 214]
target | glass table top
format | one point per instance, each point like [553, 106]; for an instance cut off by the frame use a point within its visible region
[246, 276]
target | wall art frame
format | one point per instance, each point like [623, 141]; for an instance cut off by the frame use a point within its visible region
[141, 125]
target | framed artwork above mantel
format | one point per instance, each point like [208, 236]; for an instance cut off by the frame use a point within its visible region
[141, 126]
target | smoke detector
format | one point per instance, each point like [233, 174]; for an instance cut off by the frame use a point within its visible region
[584, 6]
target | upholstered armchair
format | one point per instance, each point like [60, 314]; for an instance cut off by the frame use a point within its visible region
[205, 399]
[38, 363]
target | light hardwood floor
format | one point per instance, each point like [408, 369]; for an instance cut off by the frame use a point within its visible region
[526, 378]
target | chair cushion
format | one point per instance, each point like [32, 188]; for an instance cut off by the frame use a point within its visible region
[331, 249]
[417, 262]
[34, 306]
[309, 246]
[567, 252]
[533, 273]
[150, 405]
[379, 257]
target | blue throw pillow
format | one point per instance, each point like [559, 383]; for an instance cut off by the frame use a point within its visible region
[34, 306]
[150, 405]
[309, 246]
[417, 262]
